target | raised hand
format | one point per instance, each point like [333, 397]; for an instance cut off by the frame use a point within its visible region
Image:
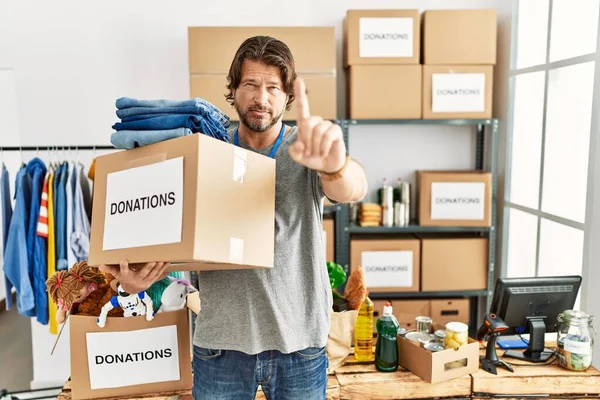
[320, 144]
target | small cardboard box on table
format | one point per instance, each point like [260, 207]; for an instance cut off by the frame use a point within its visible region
[434, 367]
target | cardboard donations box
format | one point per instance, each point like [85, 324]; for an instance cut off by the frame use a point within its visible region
[130, 356]
[460, 37]
[434, 367]
[390, 265]
[457, 91]
[454, 198]
[195, 201]
[381, 37]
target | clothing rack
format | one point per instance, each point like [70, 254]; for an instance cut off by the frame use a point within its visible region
[71, 147]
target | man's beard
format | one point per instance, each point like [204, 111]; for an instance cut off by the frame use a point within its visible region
[255, 124]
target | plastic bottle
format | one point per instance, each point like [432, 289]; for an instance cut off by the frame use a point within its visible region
[363, 332]
[386, 350]
[397, 190]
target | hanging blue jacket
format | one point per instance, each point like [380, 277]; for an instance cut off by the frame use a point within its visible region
[36, 245]
[61, 220]
[16, 263]
[6, 205]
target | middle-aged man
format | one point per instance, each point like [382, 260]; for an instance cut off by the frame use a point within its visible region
[269, 327]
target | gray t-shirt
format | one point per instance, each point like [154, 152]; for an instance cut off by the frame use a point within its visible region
[285, 308]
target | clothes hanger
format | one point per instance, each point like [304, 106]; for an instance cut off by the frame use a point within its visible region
[23, 165]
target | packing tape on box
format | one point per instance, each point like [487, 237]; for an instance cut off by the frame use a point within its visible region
[236, 250]
[240, 164]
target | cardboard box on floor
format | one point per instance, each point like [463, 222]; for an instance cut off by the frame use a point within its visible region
[434, 367]
[457, 91]
[449, 264]
[391, 265]
[459, 36]
[449, 310]
[195, 201]
[454, 198]
[130, 356]
[385, 91]
[382, 37]
[212, 49]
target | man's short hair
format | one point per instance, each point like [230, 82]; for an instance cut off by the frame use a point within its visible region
[269, 51]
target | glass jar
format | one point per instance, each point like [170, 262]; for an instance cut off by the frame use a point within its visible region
[575, 340]
[457, 334]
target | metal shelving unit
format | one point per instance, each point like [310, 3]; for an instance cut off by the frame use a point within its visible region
[486, 131]
[414, 229]
[426, 295]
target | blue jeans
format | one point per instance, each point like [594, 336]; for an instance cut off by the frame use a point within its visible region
[195, 123]
[128, 107]
[132, 139]
[225, 374]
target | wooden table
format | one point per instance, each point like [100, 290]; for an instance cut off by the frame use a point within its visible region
[360, 380]
[536, 381]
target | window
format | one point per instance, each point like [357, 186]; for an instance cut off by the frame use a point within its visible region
[548, 147]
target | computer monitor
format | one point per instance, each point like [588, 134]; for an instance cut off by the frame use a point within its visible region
[532, 305]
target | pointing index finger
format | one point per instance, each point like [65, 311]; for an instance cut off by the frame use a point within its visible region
[300, 94]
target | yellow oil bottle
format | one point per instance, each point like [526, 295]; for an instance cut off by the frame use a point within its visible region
[363, 332]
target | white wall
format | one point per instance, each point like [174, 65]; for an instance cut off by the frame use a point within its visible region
[71, 60]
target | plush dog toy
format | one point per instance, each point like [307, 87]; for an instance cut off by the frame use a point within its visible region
[133, 305]
[175, 295]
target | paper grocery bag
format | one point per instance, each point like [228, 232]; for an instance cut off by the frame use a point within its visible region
[339, 341]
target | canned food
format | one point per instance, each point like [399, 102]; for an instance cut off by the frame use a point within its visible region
[440, 335]
[423, 324]
[433, 346]
[400, 214]
[418, 337]
[402, 332]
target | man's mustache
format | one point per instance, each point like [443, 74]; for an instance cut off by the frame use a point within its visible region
[259, 108]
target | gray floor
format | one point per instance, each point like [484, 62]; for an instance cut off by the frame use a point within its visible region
[16, 361]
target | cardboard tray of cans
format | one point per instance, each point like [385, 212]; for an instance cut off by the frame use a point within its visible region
[437, 366]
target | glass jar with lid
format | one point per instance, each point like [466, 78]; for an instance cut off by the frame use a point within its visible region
[575, 340]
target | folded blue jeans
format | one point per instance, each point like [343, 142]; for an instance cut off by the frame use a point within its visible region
[225, 374]
[127, 107]
[131, 139]
[195, 123]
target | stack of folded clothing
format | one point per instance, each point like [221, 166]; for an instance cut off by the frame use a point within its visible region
[370, 214]
[144, 122]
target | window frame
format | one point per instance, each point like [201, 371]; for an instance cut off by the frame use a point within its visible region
[591, 226]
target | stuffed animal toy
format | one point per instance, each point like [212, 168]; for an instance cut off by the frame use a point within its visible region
[133, 305]
[92, 305]
[71, 287]
[175, 295]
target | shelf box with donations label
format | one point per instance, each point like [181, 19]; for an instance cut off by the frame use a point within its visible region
[454, 198]
[130, 356]
[382, 37]
[457, 91]
[195, 201]
[391, 265]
